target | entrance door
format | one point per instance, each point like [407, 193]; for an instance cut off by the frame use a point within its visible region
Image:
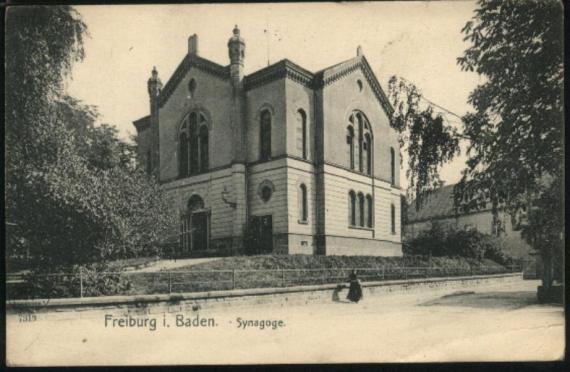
[185, 234]
[262, 234]
[199, 231]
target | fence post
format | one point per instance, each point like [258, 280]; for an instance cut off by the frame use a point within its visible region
[81, 282]
[405, 273]
[282, 277]
[233, 278]
[169, 282]
[383, 272]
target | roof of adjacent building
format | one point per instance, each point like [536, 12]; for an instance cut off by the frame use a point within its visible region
[438, 204]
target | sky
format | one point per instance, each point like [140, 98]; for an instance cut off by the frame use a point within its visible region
[418, 41]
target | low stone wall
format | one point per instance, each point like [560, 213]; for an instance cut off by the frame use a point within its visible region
[248, 297]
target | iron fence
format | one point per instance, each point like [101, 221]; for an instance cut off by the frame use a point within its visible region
[80, 284]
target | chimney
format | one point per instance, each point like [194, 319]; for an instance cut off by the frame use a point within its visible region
[193, 45]
[359, 52]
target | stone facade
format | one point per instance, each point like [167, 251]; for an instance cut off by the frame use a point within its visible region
[282, 160]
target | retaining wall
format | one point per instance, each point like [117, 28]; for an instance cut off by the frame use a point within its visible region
[419, 288]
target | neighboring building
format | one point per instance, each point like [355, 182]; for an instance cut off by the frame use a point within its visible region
[293, 161]
[439, 208]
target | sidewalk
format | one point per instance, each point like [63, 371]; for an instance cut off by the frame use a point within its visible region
[173, 264]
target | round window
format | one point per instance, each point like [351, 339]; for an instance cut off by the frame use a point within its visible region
[266, 193]
[265, 190]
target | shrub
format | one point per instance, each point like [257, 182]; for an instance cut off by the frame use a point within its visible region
[439, 241]
[68, 282]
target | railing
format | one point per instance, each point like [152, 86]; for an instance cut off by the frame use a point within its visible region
[162, 282]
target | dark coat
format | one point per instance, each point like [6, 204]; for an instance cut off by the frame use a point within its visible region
[355, 289]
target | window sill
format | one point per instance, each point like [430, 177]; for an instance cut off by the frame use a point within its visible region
[192, 175]
[360, 228]
[357, 171]
[303, 222]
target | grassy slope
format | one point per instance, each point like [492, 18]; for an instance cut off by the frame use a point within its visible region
[238, 272]
[269, 262]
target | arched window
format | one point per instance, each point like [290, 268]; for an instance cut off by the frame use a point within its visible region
[302, 197]
[367, 153]
[265, 135]
[350, 143]
[194, 151]
[393, 218]
[392, 166]
[194, 146]
[369, 210]
[359, 131]
[361, 209]
[352, 208]
[192, 87]
[360, 141]
[195, 203]
[204, 161]
[302, 133]
[183, 161]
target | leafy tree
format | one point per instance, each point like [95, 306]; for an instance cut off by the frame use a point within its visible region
[74, 192]
[515, 133]
[428, 141]
[42, 43]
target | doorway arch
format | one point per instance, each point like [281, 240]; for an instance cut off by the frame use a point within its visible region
[194, 226]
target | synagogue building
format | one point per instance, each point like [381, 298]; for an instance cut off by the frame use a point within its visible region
[282, 160]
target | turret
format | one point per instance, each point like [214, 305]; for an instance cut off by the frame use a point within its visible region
[236, 49]
[154, 86]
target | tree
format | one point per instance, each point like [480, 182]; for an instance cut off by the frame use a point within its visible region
[74, 192]
[428, 141]
[515, 133]
[42, 42]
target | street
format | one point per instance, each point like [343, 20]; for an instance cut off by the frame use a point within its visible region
[496, 323]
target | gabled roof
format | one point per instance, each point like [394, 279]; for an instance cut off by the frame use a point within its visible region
[336, 72]
[322, 78]
[278, 70]
[192, 60]
[438, 204]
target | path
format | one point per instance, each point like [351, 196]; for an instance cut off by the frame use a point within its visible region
[173, 264]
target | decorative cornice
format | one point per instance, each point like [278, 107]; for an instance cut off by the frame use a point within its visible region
[343, 69]
[290, 70]
[376, 87]
[279, 70]
[191, 60]
[339, 71]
